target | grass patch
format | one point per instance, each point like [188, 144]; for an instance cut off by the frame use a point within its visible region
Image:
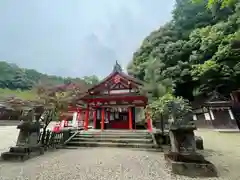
[25, 95]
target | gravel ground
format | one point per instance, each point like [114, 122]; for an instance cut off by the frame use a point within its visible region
[8, 137]
[223, 150]
[91, 164]
[119, 164]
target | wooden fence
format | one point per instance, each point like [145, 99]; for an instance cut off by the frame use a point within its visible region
[53, 139]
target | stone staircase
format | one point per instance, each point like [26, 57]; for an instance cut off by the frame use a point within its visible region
[112, 138]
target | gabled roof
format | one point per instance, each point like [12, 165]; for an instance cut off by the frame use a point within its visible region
[217, 97]
[117, 70]
[218, 100]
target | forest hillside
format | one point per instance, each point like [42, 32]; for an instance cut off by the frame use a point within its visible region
[198, 50]
[21, 82]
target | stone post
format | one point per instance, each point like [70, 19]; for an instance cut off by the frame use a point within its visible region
[182, 139]
[66, 134]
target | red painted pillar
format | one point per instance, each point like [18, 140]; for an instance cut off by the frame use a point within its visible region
[86, 118]
[130, 117]
[102, 120]
[95, 118]
[149, 123]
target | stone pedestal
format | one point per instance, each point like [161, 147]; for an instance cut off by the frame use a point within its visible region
[27, 142]
[182, 140]
[183, 158]
[29, 134]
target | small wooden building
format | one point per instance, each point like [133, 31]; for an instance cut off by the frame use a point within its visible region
[235, 96]
[215, 112]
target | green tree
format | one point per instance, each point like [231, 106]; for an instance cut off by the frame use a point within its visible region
[13, 77]
[91, 80]
[183, 48]
[20, 81]
[55, 103]
[170, 107]
[211, 3]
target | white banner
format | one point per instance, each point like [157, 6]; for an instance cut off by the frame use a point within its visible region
[74, 120]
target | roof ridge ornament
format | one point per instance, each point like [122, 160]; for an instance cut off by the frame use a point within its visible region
[117, 67]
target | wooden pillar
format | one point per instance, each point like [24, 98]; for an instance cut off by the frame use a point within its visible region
[108, 114]
[231, 114]
[210, 116]
[102, 120]
[95, 118]
[130, 118]
[134, 117]
[86, 118]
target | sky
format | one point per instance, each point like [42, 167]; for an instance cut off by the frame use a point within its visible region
[75, 38]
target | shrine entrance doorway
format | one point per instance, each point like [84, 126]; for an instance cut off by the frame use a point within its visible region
[116, 118]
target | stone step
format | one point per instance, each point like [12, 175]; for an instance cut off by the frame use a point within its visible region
[154, 149]
[115, 132]
[120, 130]
[146, 141]
[112, 136]
[111, 144]
[19, 149]
[14, 155]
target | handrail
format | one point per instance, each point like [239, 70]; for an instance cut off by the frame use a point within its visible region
[70, 138]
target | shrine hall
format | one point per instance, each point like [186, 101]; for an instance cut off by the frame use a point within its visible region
[112, 103]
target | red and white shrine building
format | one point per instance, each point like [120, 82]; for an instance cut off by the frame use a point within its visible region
[112, 103]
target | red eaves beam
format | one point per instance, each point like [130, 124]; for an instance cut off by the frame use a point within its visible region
[115, 98]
